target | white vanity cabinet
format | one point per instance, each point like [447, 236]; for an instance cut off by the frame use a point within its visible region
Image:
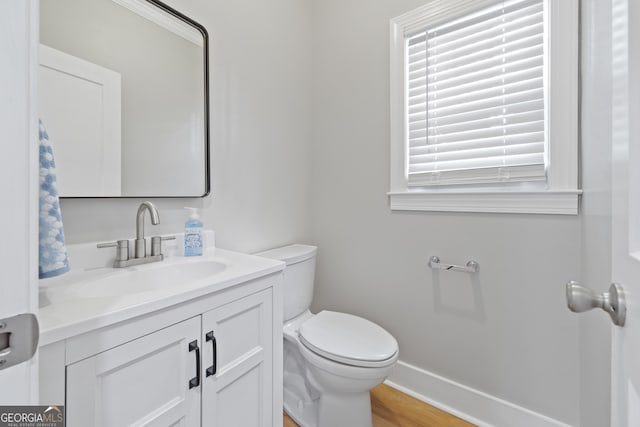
[211, 361]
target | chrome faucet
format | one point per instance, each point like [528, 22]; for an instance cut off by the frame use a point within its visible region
[141, 242]
[140, 252]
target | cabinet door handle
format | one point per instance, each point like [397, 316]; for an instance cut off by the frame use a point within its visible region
[211, 370]
[195, 381]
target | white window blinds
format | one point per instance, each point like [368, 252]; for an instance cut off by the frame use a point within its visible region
[475, 98]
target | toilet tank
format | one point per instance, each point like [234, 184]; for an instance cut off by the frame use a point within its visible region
[298, 276]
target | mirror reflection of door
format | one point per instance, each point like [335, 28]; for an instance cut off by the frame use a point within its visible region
[79, 103]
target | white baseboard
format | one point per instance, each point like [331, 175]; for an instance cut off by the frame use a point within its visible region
[464, 402]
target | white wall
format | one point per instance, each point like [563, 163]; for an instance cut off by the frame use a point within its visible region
[260, 109]
[506, 331]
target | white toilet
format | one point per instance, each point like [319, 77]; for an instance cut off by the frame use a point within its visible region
[331, 360]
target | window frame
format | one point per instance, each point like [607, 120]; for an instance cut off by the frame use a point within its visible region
[560, 193]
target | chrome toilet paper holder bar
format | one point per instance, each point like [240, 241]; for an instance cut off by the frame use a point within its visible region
[471, 267]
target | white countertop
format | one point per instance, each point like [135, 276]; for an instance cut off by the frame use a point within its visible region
[63, 313]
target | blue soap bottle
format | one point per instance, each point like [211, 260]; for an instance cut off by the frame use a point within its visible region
[193, 244]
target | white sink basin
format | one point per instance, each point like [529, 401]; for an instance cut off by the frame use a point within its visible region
[177, 274]
[147, 278]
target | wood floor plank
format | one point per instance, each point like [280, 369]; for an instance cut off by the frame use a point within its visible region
[402, 410]
[392, 408]
[288, 422]
[378, 421]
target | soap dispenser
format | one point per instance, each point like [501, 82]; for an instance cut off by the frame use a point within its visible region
[193, 244]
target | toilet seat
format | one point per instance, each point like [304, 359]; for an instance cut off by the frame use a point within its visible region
[348, 339]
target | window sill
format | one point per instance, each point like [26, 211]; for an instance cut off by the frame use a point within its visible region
[526, 202]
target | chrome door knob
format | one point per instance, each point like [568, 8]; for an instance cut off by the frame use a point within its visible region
[581, 299]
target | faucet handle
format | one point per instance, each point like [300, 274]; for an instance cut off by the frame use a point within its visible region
[122, 248]
[156, 244]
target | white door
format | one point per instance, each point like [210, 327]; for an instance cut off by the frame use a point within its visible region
[79, 102]
[625, 395]
[18, 183]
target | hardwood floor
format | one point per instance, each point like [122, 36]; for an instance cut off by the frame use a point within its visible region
[392, 408]
[288, 422]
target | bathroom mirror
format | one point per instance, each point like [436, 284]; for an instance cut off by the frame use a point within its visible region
[123, 94]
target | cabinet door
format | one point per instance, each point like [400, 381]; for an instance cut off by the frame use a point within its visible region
[145, 382]
[238, 363]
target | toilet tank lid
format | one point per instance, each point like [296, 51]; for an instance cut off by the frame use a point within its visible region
[291, 254]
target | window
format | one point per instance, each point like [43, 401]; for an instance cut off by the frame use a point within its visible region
[475, 125]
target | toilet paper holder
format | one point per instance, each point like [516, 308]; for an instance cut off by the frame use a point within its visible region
[470, 267]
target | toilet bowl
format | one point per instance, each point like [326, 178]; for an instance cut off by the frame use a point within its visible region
[331, 360]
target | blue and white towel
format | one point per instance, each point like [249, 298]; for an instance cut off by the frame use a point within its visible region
[53, 252]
